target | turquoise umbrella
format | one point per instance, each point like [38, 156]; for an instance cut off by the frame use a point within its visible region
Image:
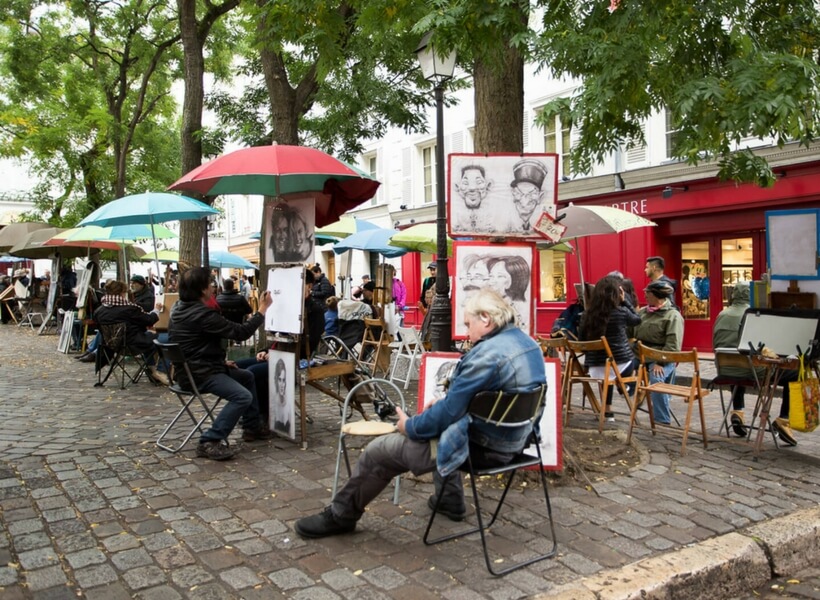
[372, 240]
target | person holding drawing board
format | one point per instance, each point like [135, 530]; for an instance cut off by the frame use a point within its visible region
[199, 330]
[502, 358]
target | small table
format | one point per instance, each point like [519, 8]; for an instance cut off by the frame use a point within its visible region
[312, 376]
[774, 369]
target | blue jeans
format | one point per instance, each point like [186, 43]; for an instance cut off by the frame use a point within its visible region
[237, 388]
[660, 402]
[260, 376]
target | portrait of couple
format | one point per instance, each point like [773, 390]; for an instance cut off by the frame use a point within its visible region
[506, 268]
[501, 195]
[291, 226]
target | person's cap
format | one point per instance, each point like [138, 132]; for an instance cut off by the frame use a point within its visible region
[366, 277]
[529, 170]
[660, 289]
[138, 279]
[369, 286]
[432, 265]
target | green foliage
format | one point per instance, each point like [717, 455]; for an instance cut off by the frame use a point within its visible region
[727, 70]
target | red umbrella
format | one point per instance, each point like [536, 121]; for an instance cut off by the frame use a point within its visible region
[284, 171]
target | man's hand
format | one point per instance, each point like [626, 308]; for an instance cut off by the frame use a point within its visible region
[402, 420]
[265, 300]
[231, 364]
[159, 306]
[262, 356]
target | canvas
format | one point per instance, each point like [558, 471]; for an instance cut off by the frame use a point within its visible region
[506, 268]
[285, 315]
[282, 385]
[290, 229]
[501, 195]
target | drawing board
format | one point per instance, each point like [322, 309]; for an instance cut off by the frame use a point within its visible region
[285, 285]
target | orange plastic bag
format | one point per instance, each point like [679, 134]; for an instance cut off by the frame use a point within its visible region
[804, 400]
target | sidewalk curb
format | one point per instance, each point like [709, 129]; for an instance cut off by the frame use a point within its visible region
[720, 567]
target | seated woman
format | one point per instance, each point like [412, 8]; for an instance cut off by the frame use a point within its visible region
[116, 308]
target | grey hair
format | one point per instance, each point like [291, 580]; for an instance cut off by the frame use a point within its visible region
[488, 303]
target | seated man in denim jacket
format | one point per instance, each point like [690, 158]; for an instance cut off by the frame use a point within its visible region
[502, 358]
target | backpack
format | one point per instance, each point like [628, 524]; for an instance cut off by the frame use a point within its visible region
[566, 325]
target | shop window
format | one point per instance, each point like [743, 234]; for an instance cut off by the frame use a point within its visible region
[553, 276]
[695, 280]
[736, 264]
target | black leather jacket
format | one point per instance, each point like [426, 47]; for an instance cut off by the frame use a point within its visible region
[234, 306]
[199, 331]
[136, 321]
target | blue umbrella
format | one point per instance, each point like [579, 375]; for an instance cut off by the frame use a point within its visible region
[371, 240]
[224, 259]
[150, 208]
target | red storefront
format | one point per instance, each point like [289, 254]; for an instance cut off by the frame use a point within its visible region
[710, 233]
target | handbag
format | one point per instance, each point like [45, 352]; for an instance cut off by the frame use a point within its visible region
[804, 399]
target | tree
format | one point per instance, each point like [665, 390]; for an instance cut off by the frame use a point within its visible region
[86, 98]
[726, 71]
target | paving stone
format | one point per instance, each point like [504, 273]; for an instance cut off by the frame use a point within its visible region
[289, 579]
[240, 578]
[113, 591]
[162, 592]
[8, 576]
[123, 541]
[188, 577]
[36, 559]
[83, 558]
[130, 559]
[144, 577]
[45, 578]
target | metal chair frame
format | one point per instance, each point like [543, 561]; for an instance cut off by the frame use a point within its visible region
[114, 349]
[409, 346]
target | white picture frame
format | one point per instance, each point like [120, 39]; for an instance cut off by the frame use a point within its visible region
[507, 268]
[64, 343]
[83, 284]
[434, 375]
[290, 228]
[500, 195]
[285, 285]
[282, 394]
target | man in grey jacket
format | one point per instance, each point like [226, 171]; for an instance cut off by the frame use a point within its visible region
[199, 330]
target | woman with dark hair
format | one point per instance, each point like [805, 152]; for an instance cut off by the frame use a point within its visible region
[510, 277]
[608, 315]
[630, 293]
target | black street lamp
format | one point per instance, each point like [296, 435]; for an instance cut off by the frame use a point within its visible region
[439, 69]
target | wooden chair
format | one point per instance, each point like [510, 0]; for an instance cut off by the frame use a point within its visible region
[556, 347]
[691, 394]
[612, 378]
[374, 354]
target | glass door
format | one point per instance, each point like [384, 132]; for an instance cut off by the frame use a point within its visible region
[695, 280]
[737, 263]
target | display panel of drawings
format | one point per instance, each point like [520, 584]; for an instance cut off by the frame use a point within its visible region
[506, 268]
[437, 370]
[290, 230]
[285, 285]
[500, 195]
[84, 283]
[282, 401]
[64, 343]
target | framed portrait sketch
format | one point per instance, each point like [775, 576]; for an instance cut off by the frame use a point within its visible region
[290, 231]
[82, 286]
[282, 395]
[434, 377]
[550, 424]
[64, 343]
[506, 268]
[285, 285]
[500, 195]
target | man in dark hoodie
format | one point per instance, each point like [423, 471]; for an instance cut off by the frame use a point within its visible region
[199, 329]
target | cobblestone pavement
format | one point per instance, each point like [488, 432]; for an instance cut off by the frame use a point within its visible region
[90, 507]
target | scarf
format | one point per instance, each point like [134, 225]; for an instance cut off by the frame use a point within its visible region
[109, 300]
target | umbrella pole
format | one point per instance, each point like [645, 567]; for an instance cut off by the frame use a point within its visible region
[156, 257]
[581, 274]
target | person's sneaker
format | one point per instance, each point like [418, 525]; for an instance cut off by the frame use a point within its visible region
[609, 416]
[781, 427]
[256, 434]
[454, 513]
[738, 424]
[324, 524]
[158, 377]
[215, 450]
[89, 357]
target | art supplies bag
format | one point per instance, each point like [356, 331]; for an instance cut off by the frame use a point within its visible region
[804, 399]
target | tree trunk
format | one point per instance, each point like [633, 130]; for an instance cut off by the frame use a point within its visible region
[499, 104]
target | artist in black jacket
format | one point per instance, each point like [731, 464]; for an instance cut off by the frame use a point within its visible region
[199, 329]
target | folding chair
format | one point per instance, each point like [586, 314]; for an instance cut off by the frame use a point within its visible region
[691, 394]
[503, 409]
[612, 377]
[556, 347]
[409, 346]
[733, 369]
[369, 429]
[173, 355]
[575, 373]
[113, 352]
[374, 346]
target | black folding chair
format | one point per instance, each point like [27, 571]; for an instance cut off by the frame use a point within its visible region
[188, 393]
[113, 352]
[502, 409]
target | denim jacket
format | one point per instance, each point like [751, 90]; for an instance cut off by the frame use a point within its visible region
[505, 359]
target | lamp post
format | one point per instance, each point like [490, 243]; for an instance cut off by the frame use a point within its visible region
[439, 68]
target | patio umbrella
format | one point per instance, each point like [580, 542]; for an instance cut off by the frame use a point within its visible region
[281, 170]
[14, 233]
[346, 226]
[587, 220]
[216, 258]
[34, 246]
[420, 238]
[372, 240]
[149, 208]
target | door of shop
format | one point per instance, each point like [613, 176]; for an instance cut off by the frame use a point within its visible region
[709, 268]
